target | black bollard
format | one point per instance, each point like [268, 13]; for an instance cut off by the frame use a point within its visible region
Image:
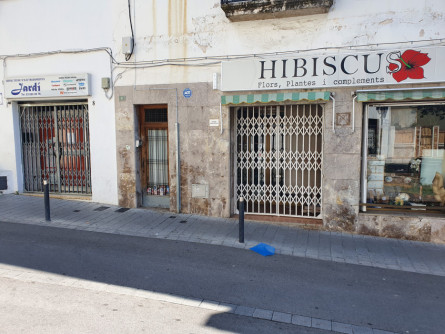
[241, 220]
[46, 200]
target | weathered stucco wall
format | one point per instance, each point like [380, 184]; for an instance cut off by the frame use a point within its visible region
[204, 151]
[199, 28]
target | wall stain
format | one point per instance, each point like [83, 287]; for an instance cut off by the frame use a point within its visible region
[127, 190]
[387, 21]
[397, 232]
[127, 183]
[341, 219]
[217, 207]
[393, 231]
[177, 32]
[202, 35]
[365, 230]
[224, 203]
[424, 233]
[177, 17]
[190, 175]
[199, 206]
[438, 235]
[154, 17]
[124, 155]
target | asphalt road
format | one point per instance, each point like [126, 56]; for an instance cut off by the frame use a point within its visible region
[41, 308]
[386, 299]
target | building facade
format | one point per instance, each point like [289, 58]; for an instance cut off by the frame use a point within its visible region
[56, 122]
[315, 111]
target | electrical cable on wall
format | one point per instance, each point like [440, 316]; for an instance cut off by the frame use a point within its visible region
[128, 56]
[199, 61]
[216, 59]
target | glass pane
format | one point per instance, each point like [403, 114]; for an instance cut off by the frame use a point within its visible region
[155, 115]
[157, 162]
[406, 155]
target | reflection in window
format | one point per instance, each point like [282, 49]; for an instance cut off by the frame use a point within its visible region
[405, 164]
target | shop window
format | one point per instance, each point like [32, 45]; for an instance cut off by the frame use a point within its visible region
[405, 165]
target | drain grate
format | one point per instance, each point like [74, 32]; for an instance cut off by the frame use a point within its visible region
[172, 216]
[183, 221]
[122, 210]
[76, 211]
[101, 208]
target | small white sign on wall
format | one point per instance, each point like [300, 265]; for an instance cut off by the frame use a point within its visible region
[200, 191]
[214, 122]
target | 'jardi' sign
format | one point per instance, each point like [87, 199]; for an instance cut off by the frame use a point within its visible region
[47, 86]
[335, 70]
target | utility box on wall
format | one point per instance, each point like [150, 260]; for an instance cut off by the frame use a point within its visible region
[200, 191]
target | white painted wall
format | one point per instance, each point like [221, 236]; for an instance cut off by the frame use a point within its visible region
[28, 26]
[199, 28]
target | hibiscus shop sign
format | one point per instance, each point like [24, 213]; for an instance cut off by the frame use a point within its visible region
[399, 66]
[67, 85]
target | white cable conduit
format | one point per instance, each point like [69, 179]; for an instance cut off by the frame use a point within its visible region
[333, 111]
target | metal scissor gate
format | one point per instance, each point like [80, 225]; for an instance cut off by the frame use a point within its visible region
[56, 147]
[278, 159]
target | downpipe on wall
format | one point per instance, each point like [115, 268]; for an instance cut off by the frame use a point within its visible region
[178, 161]
[333, 111]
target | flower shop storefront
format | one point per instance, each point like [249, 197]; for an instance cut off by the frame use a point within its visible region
[382, 158]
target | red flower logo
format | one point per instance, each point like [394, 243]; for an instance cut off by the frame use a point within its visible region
[411, 63]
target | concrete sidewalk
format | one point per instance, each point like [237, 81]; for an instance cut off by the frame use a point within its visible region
[411, 256]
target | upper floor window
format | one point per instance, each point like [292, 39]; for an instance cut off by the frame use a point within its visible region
[244, 10]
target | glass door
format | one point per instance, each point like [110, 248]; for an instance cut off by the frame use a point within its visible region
[154, 156]
[157, 162]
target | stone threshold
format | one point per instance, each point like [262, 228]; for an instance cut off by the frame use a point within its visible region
[282, 219]
[75, 197]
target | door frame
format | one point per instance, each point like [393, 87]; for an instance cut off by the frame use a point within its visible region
[143, 127]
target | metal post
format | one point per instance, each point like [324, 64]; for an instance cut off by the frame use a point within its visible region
[241, 220]
[56, 144]
[46, 200]
[178, 172]
[178, 160]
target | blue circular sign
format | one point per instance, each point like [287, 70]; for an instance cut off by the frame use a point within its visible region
[187, 93]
